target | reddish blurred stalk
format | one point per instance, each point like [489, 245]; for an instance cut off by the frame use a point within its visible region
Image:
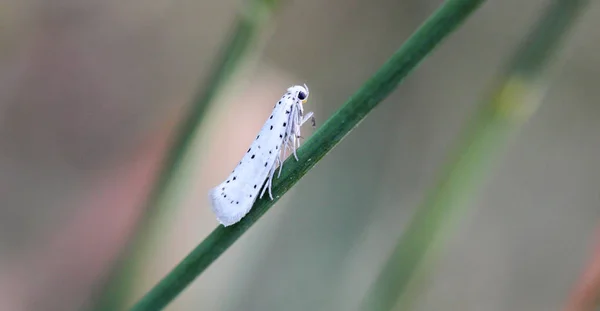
[586, 291]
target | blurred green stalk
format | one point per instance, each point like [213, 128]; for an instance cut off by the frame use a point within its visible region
[437, 27]
[248, 27]
[517, 94]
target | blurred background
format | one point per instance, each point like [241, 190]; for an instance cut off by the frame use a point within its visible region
[90, 92]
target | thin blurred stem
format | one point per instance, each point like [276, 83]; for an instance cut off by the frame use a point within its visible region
[516, 97]
[248, 26]
[586, 293]
[437, 27]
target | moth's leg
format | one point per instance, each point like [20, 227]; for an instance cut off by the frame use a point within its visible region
[280, 161]
[264, 189]
[280, 168]
[270, 189]
[269, 183]
[295, 143]
[291, 142]
[285, 147]
[304, 119]
[298, 125]
[297, 121]
[309, 115]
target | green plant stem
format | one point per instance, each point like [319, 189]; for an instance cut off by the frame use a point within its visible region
[245, 32]
[437, 27]
[514, 100]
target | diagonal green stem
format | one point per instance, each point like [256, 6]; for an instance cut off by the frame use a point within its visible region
[245, 32]
[516, 96]
[437, 27]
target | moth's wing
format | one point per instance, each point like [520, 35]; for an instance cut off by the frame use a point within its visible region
[233, 198]
[229, 209]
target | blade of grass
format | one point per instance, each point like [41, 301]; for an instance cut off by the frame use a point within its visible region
[517, 95]
[245, 32]
[437, 27]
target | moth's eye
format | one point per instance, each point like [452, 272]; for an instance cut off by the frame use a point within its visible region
[301, 95]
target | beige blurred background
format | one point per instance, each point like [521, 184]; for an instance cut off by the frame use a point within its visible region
[90, 91]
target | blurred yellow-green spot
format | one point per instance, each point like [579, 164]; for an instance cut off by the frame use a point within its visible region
[518, 99]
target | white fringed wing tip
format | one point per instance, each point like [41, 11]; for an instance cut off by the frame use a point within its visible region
[225, 213]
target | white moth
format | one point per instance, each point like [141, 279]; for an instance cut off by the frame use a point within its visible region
[233, 198]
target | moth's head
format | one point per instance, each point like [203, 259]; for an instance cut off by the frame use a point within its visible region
[300, 92]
